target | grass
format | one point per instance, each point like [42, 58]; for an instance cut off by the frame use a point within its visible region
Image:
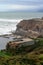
[35, 57]
[41, 56]
[20, 59]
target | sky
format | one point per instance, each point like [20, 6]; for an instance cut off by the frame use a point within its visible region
[21, 5]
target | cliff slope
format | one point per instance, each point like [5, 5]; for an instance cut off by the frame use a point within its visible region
[31, 28]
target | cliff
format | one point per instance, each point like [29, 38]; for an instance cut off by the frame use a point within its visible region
[30, 28]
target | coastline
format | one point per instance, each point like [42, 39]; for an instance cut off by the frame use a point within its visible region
[23, 27]
[6, 38]
[20, 48]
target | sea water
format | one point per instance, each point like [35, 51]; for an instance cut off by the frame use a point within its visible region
[9, 20]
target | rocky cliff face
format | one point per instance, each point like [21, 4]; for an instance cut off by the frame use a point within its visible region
[30, 28]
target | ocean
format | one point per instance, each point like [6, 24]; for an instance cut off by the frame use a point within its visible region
[9, 20]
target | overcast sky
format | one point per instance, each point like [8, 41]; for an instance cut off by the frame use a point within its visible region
[21, 5]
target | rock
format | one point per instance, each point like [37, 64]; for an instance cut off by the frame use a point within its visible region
[30, 28]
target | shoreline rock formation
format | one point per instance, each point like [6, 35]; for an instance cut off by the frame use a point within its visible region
[32, 28]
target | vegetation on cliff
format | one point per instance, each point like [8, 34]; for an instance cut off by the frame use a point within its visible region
[23, 55]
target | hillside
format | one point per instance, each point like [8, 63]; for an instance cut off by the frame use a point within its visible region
[30, 55]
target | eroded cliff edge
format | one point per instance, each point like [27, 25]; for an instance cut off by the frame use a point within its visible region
[30, 28]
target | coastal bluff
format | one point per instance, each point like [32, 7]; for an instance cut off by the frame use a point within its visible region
[32, 28]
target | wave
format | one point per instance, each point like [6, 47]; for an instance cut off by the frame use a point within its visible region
[6, 27]
[10, 20]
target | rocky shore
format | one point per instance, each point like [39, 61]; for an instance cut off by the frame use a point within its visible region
[32, 28]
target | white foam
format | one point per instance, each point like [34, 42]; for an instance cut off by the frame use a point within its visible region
[10, 20]
[6, 27]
